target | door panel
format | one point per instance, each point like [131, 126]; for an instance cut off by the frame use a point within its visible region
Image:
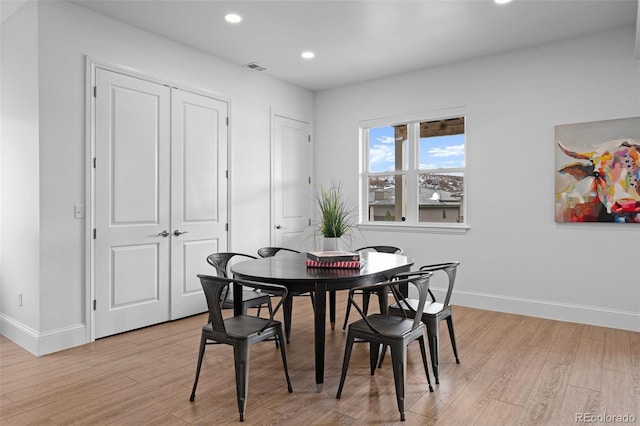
[291, 186]
[201, 171]
[134, 152]
[131, 282]
[199, 195]
[195, 254]
[131, 203]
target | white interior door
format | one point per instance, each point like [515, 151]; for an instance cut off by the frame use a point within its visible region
[198, 195]
[132, 170]
[291, 182]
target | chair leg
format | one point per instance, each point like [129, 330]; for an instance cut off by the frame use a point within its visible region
[269, 307]
[374, 352]
[423, 351]
[332, 309]
[313, 300]
[287, 308]
[453, 338]
[346, 315]
[399, 361]
[241, 354]
[203, 343]
[284, 359]
[384, 351]
[345, 363]
[366, 297]
[268, 303]
[433, 334]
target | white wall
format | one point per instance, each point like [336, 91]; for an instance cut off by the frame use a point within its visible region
[515, 258]
[66, 33]
[19, 177]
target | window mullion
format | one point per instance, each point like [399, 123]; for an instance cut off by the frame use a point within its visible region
[413, 133]
[364, 184]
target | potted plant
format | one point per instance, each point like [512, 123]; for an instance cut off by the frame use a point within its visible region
[336, 216]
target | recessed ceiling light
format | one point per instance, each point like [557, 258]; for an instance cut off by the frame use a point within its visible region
[308, 55]
[233, 18]
[502, 1]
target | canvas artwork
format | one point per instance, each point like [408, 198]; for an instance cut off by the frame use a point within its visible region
[598, 171]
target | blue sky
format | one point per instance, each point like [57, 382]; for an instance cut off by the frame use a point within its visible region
[435, 152]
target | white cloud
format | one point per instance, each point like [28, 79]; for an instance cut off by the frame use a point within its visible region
[452, 163]
[429, 166]
[447, 151]
[385, 139]
[381, 153]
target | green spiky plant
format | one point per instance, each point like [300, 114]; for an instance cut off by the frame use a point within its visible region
[336, 214]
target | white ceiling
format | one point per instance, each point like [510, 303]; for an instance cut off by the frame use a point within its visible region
[362, 40]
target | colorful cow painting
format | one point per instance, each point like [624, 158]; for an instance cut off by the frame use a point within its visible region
[604, 186]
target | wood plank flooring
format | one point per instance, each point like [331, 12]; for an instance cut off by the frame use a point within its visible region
[513, 370]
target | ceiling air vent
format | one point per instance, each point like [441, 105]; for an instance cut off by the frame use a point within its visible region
[255, 66]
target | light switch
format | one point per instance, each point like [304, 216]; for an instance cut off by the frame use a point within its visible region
[78, 211]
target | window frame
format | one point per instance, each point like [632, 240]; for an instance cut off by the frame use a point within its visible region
[411, 172]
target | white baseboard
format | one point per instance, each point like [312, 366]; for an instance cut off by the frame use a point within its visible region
[19, 333]
[624, 320]
[42, 343]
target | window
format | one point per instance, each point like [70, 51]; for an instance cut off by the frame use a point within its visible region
[413, 172]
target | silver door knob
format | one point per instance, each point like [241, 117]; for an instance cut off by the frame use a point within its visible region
[164, 233]
[280, 227]
[177, 233]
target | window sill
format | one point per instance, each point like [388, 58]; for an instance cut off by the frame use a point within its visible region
[444, 228]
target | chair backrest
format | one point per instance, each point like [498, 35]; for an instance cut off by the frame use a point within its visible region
[382, 249]
[220, 261]
[450, 268]
[423, 290]
[272, 251]
[214, 287]
[419, 279]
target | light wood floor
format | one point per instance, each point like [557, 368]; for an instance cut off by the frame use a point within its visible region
[514, 370]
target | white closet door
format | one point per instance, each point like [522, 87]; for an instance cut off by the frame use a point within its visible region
[131, 203]
[198, 195]
[291, 181]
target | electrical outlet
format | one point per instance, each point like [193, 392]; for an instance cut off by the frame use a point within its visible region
[20, 298]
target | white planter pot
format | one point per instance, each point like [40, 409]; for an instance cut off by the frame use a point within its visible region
[331, 244]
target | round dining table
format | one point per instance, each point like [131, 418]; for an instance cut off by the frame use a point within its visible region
[290, 270]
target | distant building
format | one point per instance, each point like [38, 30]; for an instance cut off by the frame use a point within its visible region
[435, 205]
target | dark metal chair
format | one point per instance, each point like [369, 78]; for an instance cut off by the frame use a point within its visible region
[390, 330]
[366, 295]
[432, 313]
[250, 298]
[287, 309]
[240, 331]
[272, 251]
